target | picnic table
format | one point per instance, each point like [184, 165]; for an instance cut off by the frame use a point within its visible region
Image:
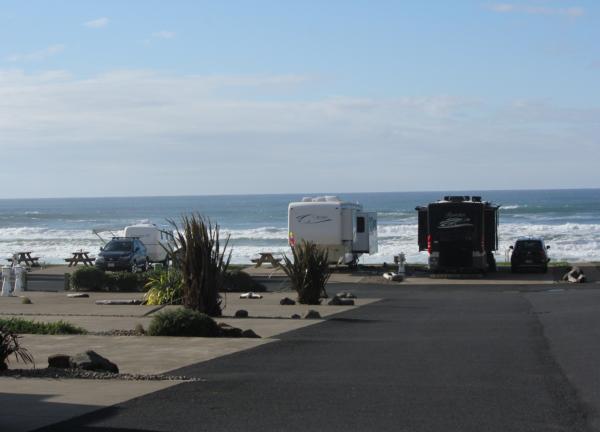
[266, 257]
[25, 257]
[80, 256]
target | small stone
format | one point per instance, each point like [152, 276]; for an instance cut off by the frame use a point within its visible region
[312, 314]
[250, 334]
[286, 301]
[242, 313]
[59, 361]
[91, 360]
[296, 316]
[78, 295]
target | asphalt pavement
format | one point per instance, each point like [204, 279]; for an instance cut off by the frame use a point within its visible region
[421, 359]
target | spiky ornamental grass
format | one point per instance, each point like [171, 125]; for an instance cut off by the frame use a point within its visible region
[308, 271]
[9, 345]
[202, 258]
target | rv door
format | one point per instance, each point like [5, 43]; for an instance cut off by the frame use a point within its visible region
[365, 239]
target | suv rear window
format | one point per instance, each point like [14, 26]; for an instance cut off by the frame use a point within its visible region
[529, 245]
[119, 246]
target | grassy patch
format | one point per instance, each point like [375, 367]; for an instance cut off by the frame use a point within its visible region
[22, 326]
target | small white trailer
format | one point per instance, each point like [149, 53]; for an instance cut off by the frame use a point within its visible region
[154, 238]
[340, 227]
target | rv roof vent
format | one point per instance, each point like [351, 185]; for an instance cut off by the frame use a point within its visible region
[456, 198]
[476, 199]
[332, 198]
[320, 199]
[307, 199]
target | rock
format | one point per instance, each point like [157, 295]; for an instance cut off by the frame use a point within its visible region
[250, 334]
[345, 294]
[229, 331]
[575, 275]
[78, 295]
[296, 316]
[395, 277]
[312, 314]
[337, 301]
[120, 302]
[286, 301]
[242, 313]
[59, 361]
[91, 360]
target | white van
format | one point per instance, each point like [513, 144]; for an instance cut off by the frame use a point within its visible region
[154, 238]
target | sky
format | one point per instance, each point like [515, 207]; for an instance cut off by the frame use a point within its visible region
[138, 98]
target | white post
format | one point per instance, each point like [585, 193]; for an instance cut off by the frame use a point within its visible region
[401, 261]
[6, 281]
[19, 275]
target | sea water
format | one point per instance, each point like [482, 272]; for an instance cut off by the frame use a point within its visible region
[569, 221]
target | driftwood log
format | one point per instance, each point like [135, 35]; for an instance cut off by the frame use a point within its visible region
[575, 275]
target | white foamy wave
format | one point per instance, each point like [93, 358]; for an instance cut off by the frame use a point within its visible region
[512, 207]
[262, 233]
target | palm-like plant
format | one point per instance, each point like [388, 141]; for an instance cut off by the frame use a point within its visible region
[9, 345]
[202, 259]
[308, 271]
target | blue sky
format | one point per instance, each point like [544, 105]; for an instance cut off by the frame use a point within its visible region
[167, 98]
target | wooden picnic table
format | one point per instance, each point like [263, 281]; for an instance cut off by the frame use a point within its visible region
[267, 257]
[80, 257]
[25, 257]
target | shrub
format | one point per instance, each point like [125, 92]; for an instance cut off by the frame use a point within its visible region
[21, 326]
[88, 279]
[124, 281]
[308, 272]
[183, 322]
[9, 345]
[164, 287]
[239, 281]
[202, 259]
[26, 300]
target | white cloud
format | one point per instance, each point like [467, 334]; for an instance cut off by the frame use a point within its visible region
[97, 23]
[164, 34]
[37, 55]
[179, 133]
[571, 12]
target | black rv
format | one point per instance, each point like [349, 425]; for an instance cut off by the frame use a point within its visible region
[460, 233]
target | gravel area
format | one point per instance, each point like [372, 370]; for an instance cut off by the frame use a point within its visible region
[85, 374]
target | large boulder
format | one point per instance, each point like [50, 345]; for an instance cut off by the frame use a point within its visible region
[242, 313]
[312, 314]
[250, 334]
[286, 301]
[337, 301]
[59, 361]
[91, 360]
[229, 331]
[345, 294]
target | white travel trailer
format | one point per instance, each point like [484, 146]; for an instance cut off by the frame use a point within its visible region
[154, 238]
[341, 227]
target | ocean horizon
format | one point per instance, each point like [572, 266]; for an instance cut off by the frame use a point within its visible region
[52, 228]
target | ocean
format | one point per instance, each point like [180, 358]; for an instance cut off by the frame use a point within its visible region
[569, 221]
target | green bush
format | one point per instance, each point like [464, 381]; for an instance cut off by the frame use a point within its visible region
[165, 287]
[308, 272]
[93, 279]
[21, 326]
[124, 281]
[9, 345]
[183, 322]
[240, 281]
[88, 279]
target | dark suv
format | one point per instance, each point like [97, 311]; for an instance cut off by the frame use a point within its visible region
[529, 253]
[123, 253]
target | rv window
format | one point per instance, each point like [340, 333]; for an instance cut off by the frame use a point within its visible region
[360, 224]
